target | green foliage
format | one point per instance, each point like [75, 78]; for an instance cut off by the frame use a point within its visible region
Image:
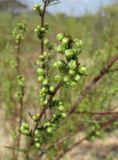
[60, 66]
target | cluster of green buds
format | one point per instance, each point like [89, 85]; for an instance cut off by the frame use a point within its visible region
[70, 72]
[24, 129]
[48, 45]
[13, 64]
[96, 131]
[49, 127]
[46, 88]
[41, 31]
[18, 32]
[21, 86]
[59, 106]
[37, 8]
[69, 66]
[37, 139]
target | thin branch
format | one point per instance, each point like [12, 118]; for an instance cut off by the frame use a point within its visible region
[104, 125]
[46, 107]
[42, 23]
[97, 113]
[92, 83]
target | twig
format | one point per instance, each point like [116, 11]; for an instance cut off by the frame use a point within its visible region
[104, 125]
[92, 83]
[97, 113]
[42, 24]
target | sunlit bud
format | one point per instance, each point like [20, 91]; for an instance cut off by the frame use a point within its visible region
[46, 82]
[37, 133]
[69, 53]
[36, 117]
[60, 49]
[52, 88]
[72, 64]
[60, 36]
[37, 8]
[40, 71]
[72, 72]
[47, 124]
[77, 77]
[83, 70]
[44, 89]
[37, 145]
[61, 108]
[49, 130]
[25, 125]
[65, 41]
[79, 43]
[63, 115]
[57, 78]
[41, 78]
[66, 79]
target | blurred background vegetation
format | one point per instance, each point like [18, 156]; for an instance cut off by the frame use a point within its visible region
[99, 32]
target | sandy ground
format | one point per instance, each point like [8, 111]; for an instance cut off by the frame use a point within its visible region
[105, 149]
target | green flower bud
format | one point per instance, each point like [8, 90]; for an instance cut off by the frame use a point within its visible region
[79, 43]
[36, 139]
[42, 93]
[37, 133]
[66, 79]
[25, 125]
[13, 64]
[22, 26]
[46, 26]
[42, 30]
[77, 77]
[83, 70]
[47, 124]
[36, 117]
[46, 82]
[41, 78]
[52, 89]
[63, 115]
[61, 64]
[61, 108]
[49, 130]
[57, 78]
[40, 72]
[46, 55]
[73, 84]
[37, 8]
[44, 89]
[25, 128]
[46, 41]
[70, 53]
[72, 64]
[54, 116]
[37, 145]
[48, 44]
[65, 41]
[42, 57]
[60, 49]
[55, 65]
[20, 80]
[37, 29]
[45, 102]
[71, 72]
[60, 36]
[25, 132]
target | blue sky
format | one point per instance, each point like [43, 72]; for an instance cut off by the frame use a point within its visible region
[75, 7]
